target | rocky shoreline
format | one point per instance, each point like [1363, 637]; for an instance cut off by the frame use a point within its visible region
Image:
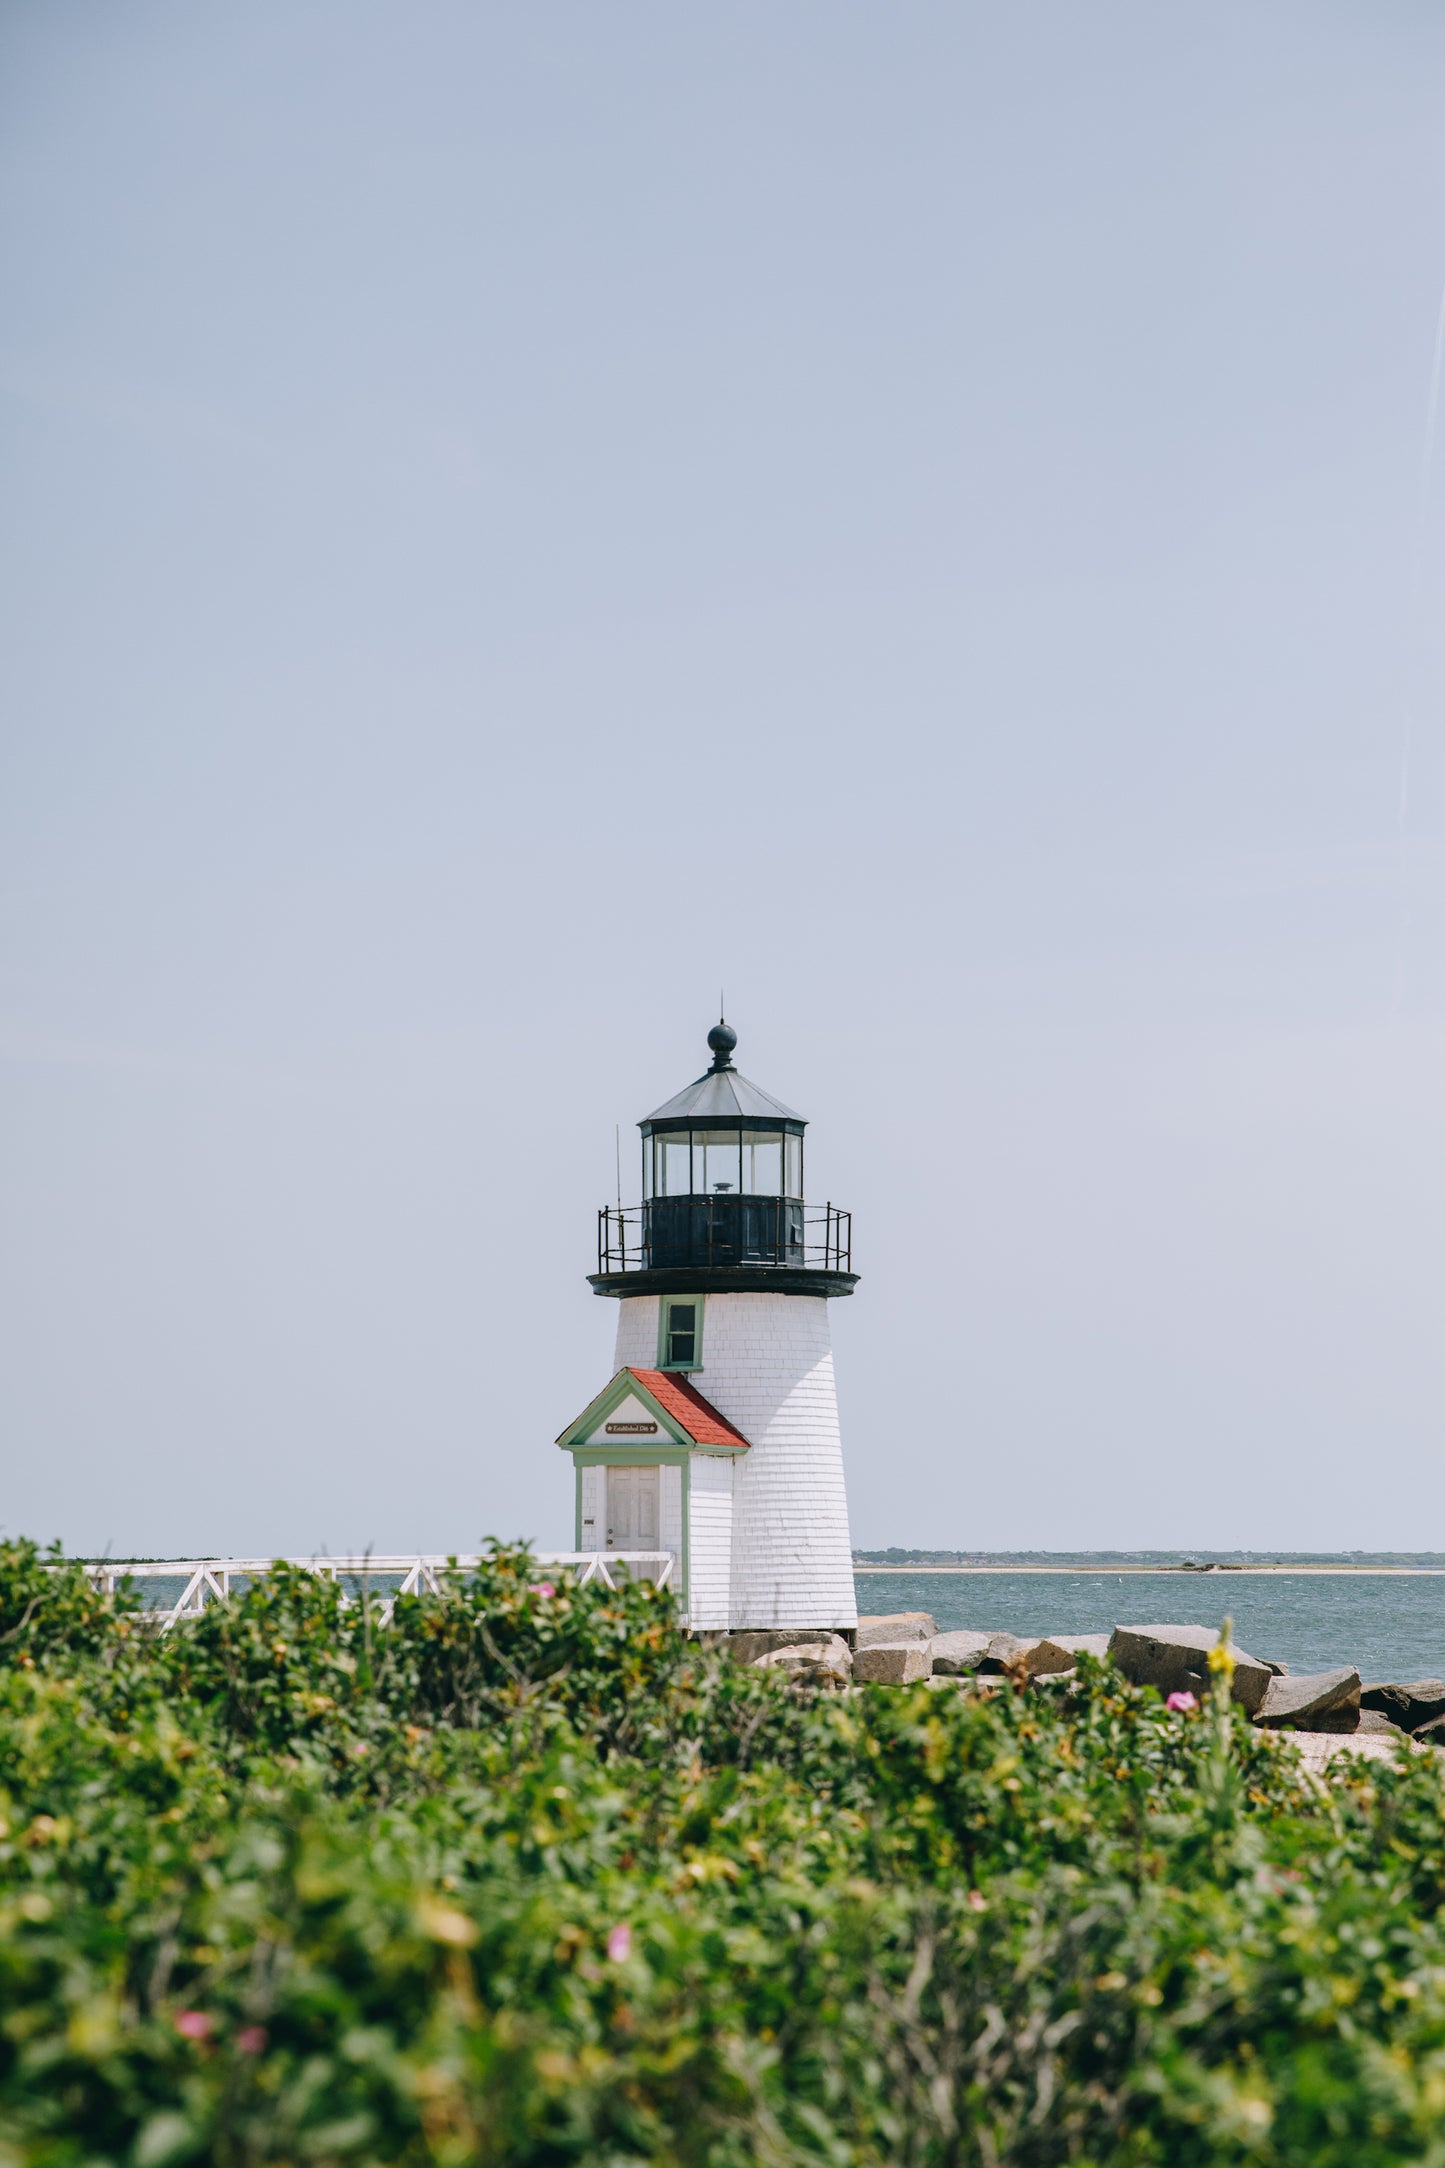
[905, 1648]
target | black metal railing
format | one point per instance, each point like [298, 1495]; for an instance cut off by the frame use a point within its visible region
[683, 1232]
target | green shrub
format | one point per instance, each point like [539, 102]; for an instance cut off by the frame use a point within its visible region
[295, 1663]
[529, 1878]
[51, 1612]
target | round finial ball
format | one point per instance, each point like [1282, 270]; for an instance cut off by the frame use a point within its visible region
[722, 1039]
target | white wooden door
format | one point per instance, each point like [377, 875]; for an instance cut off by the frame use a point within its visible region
[632, 1509]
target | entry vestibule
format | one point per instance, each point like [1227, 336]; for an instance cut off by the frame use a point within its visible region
[655, 1474]
[632, 1516]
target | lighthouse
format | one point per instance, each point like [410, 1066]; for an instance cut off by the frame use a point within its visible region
[717, 1437]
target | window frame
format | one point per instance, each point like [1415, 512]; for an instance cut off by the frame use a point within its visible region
[664, 1331]
[791, 1155]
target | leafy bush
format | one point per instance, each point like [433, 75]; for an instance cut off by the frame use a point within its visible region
[51, 1611]
[527, 1877]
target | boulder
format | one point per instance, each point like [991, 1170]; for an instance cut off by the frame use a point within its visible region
[1002, 1653]
[1037, 1658]
[1176, 1660]
[955, 1653]
[1080, 1644]
[1024, 1656]
[1318, 1750]
[1430, 1734]
[1411, 1707]
[749, 1645]
[1373, 1723]
[1318, 1701]
[826, 1662]
[894, 1626]
[892, 1663]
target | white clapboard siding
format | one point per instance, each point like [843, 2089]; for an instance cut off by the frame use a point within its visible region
[709, 1607]
[768, 1367]
[593, 1532]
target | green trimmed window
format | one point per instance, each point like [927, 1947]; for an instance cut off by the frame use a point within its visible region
[680, 1333]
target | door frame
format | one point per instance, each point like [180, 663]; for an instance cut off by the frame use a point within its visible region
[642, 1456]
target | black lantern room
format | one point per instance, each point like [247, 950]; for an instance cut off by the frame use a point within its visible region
[722, 1198]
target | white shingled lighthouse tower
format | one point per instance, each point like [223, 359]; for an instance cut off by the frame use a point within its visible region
[717, 1438]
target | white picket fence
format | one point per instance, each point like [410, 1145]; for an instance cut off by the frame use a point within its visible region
[209, 1580]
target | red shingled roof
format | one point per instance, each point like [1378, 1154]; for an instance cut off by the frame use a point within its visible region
[685, 1404]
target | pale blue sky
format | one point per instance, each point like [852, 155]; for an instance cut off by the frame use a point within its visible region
[513, 517]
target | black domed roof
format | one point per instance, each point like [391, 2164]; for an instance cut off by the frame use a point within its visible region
[720, 1094]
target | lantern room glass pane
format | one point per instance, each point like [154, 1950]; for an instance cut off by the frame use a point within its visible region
[794, 1184]
[717, 1161]
[670, 1170]
[763, 1163]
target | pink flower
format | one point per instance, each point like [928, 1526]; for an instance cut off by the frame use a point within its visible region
[251, 2039]
[619, 1944]
[195, 2024]
[542, 1588]
[976, 1901]
[1181, 1701]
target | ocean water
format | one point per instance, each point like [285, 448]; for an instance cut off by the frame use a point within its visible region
[1389, 1626]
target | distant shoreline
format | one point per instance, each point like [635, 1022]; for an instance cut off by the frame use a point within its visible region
[1211, 1573]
